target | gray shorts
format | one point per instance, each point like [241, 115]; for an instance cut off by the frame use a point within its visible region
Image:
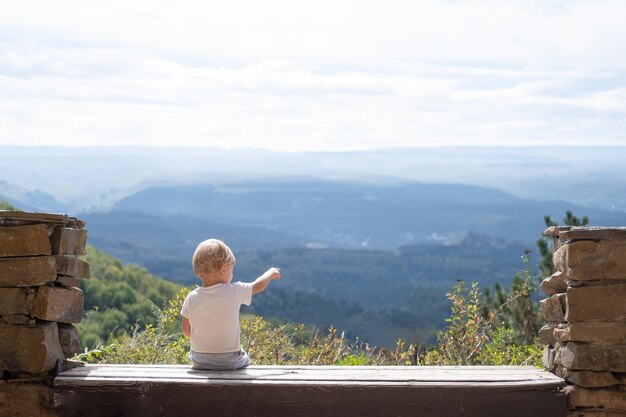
[219, 361]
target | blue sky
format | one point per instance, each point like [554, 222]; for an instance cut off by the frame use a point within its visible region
[323, 75]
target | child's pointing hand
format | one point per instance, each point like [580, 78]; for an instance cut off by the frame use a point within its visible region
[273, 273]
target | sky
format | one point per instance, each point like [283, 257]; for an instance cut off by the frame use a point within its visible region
[312, 76]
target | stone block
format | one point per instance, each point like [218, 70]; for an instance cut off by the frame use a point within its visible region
[17, 319]
[16, 301]
[554, 284]
[596, 303]
[26, 400]
[548, 358]
[593, 233]
[608, 333]
[589, 260]
[60, 304]
[546, 334]
[554, 308]
[68, 337]
[68, 281]
[24, 240]
[587, 379]
[605, 398]
[559, 259]
[30, 217]
[72, 267]
[33, 349]
[68, 241]
[586, 357]
[27, 272]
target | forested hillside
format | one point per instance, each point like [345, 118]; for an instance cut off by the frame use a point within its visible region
[375, 295]
[350, 215]
[117, 296]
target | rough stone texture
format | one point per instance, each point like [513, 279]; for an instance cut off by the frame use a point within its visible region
[68, 337]
[555, 231]
[554, 284]
[546, 334]
[593, 233]
[24, 241]
[588, 379]
[588, 260]
[559, 259]
[60, 304]
[68, 241]
[16, 301]
[30, 217]
[33, 349]
[596, 332]
[596, 303]
[17, 319]
[548, 358]
[27, 272]
[72, 267]
[26, 400]
[580, 356]
[606, 398]
[554, 308]
[68, 281]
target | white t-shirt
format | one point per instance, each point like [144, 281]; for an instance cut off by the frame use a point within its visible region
[213, 313]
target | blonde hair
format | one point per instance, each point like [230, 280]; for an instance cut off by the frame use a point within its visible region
[210, 256]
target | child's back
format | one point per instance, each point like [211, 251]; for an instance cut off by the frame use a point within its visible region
[211, 312]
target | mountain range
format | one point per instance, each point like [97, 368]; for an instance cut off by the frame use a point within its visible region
[93, 178]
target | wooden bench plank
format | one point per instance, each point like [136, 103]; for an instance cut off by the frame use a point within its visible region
[320, 373]
[171, 390]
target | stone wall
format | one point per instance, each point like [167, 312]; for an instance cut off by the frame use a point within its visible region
[586, 335]
[39, 300]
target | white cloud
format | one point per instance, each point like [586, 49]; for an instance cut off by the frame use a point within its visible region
[328, 75]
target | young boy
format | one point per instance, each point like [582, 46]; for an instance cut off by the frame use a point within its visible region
[211, 312]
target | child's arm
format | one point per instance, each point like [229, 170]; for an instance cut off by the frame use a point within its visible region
[263, 281]
[186, 327]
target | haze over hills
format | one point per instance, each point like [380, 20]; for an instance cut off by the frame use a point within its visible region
[94, 178]
[333, 214]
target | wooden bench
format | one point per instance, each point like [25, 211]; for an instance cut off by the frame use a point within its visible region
[177, 390]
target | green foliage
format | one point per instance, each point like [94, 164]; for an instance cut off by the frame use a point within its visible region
[265, 343]
[119, 298]
[159, 343]
[467, 328]
[502, 349]
[5, 205]
[515, 308]
[478, 336]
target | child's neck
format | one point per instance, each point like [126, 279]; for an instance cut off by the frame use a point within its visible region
[211, 280]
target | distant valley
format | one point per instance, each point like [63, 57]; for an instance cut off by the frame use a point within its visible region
[373, 260]
[368, 241]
